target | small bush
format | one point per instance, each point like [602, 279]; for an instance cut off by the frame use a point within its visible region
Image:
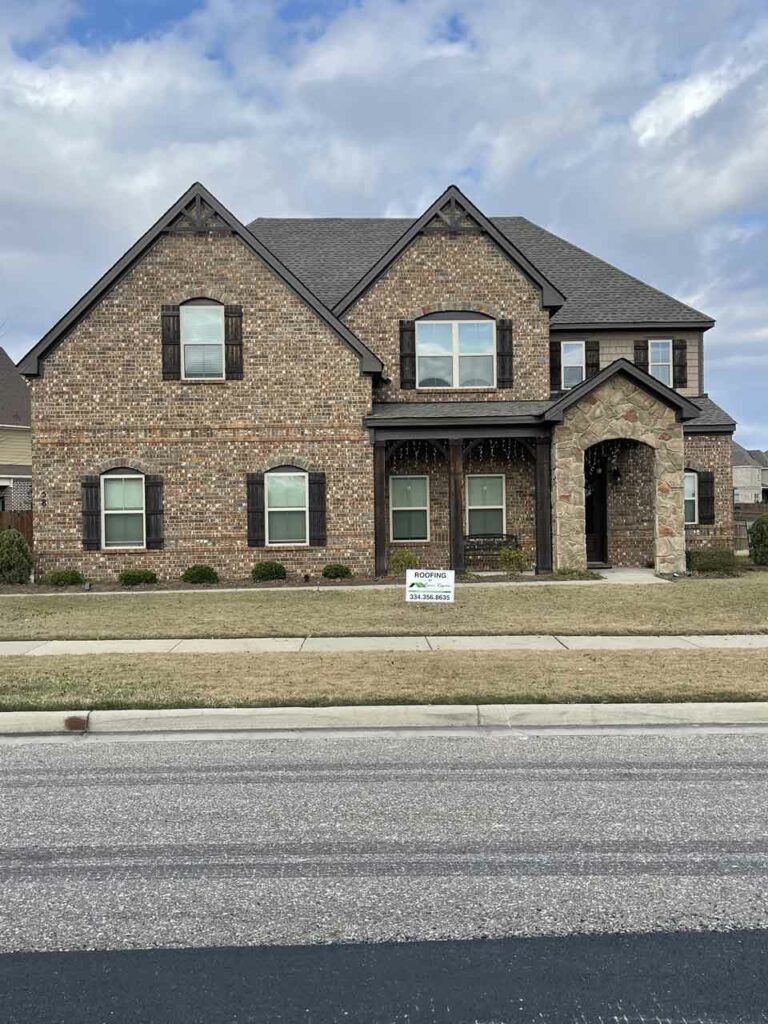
[758, 541]
[264, 571]
[135, 577]
[577, 574]
[720, 561]
[401, 560]
[336, 571]
[65, 578]
[513, 560]
[15, 557]
[200, 574]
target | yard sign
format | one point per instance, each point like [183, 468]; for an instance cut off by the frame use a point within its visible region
[429, 585]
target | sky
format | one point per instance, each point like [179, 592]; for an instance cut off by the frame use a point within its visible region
[638, 131]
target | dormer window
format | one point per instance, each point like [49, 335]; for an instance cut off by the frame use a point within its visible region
[458, 352]
[202, 341]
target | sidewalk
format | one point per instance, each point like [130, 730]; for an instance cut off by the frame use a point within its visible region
[328, 644]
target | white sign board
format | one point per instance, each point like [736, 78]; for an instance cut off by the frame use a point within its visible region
[429, 585]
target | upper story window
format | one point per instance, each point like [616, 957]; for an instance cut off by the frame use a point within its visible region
[660, 360]
[287, 507]
[456, 353]
[202, 341]
[573, 363]
[123, 521]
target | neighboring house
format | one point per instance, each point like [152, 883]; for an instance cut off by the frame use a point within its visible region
[333, 390]
[15, 439]
[747, 476]
[761, 458]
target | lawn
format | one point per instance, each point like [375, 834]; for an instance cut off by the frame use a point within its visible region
[268, 680]
[737, 605]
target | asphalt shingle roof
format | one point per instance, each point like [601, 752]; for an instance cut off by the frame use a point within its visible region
[711, 414]
[740, 456]
[14, 394]
[760, 457]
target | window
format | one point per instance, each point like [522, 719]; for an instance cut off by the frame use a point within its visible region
[409, 508]
[486, 512]
[122, 515]
[660, 361]
[573, 363]
[455, 353]
[202, 342]
[287, 518]
[691, 498]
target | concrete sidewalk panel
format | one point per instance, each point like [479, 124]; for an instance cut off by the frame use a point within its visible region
[628, 715]
[8, 647]
[257, 645]
[17, 723]
[494, 643]
[625, 643]
[732, 640]
[365, 643]
[105, 647]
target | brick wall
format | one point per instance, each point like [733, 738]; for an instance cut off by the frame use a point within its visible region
[712, 452]
[630, 492]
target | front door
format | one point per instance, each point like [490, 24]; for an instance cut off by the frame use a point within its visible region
[596, 512]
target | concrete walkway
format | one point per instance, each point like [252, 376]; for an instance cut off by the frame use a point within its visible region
[329, 644]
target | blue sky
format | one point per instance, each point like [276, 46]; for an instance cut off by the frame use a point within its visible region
[639, 131]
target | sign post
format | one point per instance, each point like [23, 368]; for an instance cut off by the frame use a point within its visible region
[430, 585]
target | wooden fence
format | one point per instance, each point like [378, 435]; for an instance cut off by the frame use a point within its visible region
[21, 521]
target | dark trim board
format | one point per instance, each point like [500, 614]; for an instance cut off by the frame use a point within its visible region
[456, 432]
[634, 325]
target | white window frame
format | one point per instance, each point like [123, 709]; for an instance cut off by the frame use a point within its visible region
[670, 363]
[695, 520]
[583, 344]
[291, 508]
[199, 305]
[455, 355]
[503, 506]
[408, 508]
[122, 512]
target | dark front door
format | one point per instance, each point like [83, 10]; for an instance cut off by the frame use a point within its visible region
[596, 512]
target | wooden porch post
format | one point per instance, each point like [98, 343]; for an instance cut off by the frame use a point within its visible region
[543, 504]
[455, 489]
[379, 507]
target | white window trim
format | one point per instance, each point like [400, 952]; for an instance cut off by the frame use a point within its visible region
[222, 343]
[408, 508]
[503, 506]
[455, 356]
[292, 508]
[111, 512]
[695, 520]
[570, 387]
[669, 363]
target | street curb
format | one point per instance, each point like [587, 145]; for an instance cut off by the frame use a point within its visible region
[414, 716]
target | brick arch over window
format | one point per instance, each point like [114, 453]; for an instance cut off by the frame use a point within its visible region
[134, 465]
[454, 306]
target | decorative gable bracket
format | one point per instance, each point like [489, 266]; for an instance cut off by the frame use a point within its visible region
[198, 218]
[454, 216]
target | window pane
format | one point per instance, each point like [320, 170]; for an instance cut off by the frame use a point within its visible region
[124, 530]
[435, 372]
[476, 338]
[287, 527]
[410, 524]
[689, 484]
[202, 323]
[408, 491]
[660, 352]
[572, 375]
[285, 491]
[203, 361]
[661, 373]
[475, 371]
[572, 353]
[485, 490]
[485, 521]
[124, 494]
[690, 510]
[434, 338]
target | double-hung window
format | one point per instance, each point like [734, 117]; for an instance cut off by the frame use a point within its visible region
[123, 522]
[486, 511]
[287, 508]
[455, 353]
[573, 363]
[202, 341]
[660, 360]
[409, 508]
[691, 498]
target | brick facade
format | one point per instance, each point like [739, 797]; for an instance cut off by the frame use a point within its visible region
[712, 452]
[629, 499]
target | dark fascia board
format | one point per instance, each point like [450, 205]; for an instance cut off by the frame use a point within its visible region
[442, 422]
[29, 365]
[686, 410]
[702, 428]
[551, 298]
[637, 325]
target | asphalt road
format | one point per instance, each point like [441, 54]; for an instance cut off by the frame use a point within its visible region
[481, 878]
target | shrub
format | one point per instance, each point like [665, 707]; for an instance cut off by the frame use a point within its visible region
[577, 574]
[513, 560]
[135, 577]
[758, 541]
[15, 557]
[336, 571]
[264, 571]
[401, 560]
[200, 574]
[721, 561]
[65, 578]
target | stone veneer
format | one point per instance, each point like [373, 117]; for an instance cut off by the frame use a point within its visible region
[712, 452]
[618, 409]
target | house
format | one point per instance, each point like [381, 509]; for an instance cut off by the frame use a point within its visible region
[747, 476]
[761, 458]
[15, 439]
[333, 390]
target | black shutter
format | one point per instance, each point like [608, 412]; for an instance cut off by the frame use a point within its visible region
[255, 509]
[591, 357]
[91, 494]
[153, 496]
[555, 366]
[641, 355]
[171, 343]
[233, 339]
[407, 354]
[680, 363]
[504, 367]
[706, 498]
[317, 517]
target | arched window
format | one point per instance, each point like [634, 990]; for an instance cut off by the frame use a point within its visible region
[201, 326]
[123, 508]
[456, 350]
